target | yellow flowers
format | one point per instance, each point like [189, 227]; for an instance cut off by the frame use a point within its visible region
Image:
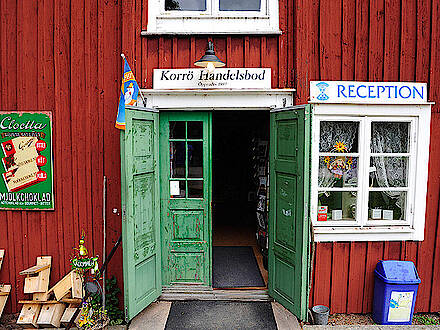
[340, 146]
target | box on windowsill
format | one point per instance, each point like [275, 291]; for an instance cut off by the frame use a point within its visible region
[376, 214]
[322, 213]
[336, 214]
[388, 214]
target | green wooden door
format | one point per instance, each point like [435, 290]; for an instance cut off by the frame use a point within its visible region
[140, 209]
[185, 142]
[289, 211]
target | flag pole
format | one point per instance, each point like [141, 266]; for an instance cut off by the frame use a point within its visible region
[140, 93]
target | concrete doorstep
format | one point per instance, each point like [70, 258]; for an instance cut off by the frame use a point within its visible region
[155, 317]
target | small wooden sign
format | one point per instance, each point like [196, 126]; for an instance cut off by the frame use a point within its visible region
[225, 78]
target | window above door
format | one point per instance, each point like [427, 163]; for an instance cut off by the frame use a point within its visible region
[212, 17]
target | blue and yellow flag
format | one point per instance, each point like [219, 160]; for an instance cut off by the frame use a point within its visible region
[129, 94]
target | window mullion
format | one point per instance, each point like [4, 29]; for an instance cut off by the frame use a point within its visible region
[412, 172]
[365, 169]
[213, 7]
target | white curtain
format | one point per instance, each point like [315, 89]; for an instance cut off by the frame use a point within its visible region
[332, 132]
[389, 137]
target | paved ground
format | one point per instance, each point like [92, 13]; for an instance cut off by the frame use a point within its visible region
[155, 317]
[370, 327]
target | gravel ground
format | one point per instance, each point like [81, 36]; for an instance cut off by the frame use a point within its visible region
[366, 319]
[8, 322]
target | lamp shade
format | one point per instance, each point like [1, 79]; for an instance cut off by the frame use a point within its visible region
[209, 57]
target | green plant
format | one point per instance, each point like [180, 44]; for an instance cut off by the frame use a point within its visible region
[426, 319]
[112, 291]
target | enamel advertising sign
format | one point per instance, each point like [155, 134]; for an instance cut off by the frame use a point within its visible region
[368, 92]
[26, 181]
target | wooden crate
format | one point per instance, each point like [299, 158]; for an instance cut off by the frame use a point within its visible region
[4, 293]
[50, 315]
[37, 277]
[29, 315]
[68, 315]
[69, 284]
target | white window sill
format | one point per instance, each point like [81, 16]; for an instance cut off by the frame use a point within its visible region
[357, 234]
[211, 25]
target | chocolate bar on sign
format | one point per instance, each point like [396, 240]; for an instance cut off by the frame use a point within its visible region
[20, 159]
[19, 145]
[21, 177]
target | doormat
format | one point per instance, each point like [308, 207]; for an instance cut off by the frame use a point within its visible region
[235, 267]
[204, 315]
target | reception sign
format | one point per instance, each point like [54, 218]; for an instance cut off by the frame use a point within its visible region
[368, 92]
[26, 155]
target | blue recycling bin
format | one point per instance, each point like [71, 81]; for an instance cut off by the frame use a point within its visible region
[395, 290]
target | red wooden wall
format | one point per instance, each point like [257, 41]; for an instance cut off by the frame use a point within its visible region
[64, 56]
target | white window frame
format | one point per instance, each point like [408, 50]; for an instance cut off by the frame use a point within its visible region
[212, 21]
[375, 230]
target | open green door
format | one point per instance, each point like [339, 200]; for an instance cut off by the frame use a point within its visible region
[140, 209]
[289, 212]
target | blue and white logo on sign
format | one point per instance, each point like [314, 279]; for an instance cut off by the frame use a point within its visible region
[322, 87]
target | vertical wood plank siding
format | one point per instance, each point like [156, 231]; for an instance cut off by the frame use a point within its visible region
[63, 56]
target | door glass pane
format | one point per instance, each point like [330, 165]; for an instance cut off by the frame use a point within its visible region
[387, 205]
[339, 136]
[178, 189]
[389, 172]
[240, 5]
[195, 159]
[177, 160]
[337, 205]
[390, 137]
[197, 5]
[177, 129]
[338, 171]
[195, 189]
[195, 130]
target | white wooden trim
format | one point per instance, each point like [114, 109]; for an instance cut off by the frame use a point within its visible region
[218, 99]
[378, 230]
[212, 21]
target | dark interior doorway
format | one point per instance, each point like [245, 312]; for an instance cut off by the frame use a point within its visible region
[240, 152]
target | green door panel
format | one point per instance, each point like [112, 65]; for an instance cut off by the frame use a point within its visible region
[141, 207]
[289, 212]
[185, 158]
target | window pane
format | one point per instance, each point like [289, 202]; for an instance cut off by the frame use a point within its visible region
[389, 172]
[387, 205]
[177, 129]
[195, 130]
[240, 5]
[177, 159]
[389, 137]
[339, 136]
[337, 205]
[195, 189]
[199, 5]
[338, 171]
[177, 189]
[195, 159]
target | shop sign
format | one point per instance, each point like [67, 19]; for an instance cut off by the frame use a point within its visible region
[26, 156]
[368, 92]
[225, 78]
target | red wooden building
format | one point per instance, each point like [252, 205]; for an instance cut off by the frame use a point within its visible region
[64, 57]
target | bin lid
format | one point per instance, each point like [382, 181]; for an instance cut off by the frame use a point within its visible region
[397, 272]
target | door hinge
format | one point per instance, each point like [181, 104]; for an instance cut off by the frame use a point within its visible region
[124, 213]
